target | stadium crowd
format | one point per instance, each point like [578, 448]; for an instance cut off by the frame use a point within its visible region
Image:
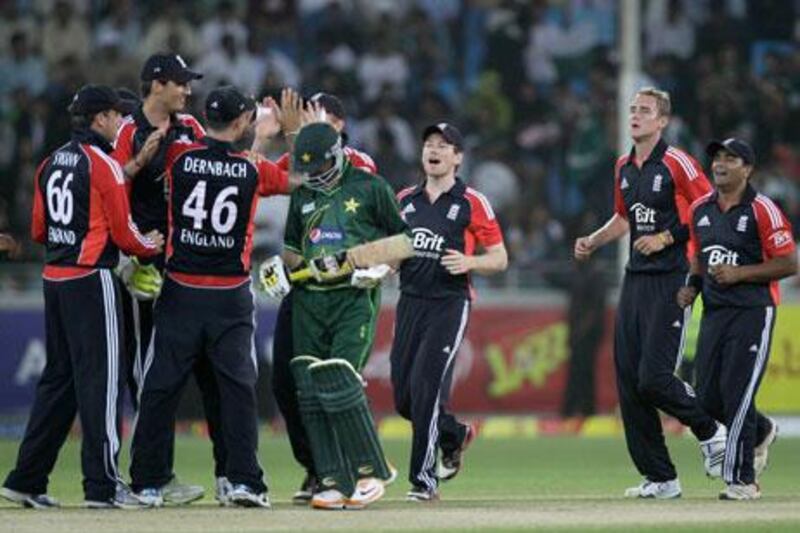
[532, 83]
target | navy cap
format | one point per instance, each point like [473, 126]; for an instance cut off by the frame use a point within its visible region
[93, 99]
[129, 100]
[226, 103]
[329, 103]
[737, 147]
[169, 67]
[448, 131]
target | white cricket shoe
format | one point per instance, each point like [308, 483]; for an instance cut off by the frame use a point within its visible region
[368, 490]
[244, 496]
[740, 492]
[33, 501]
[150, 497]
[713, 451]
[330, 499]
[392, 475]
[177, 493]
[660, 490]
[222, 490]
[761, 451]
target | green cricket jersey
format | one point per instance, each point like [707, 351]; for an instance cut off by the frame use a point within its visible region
[360, 208]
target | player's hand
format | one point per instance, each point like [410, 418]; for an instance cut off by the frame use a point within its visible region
[456, 263]
[584, 247]
[145, 281]
[725, 274]
[369, 278]
[150, 147]
[273, 278]
[330, 267]
[686, 296]
[313, 112]
[291, 110]
[157, 238]
[267, 123]
[651, 244]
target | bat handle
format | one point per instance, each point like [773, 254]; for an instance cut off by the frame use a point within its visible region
[303, 274]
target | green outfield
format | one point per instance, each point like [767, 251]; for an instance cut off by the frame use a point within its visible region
[508, 484]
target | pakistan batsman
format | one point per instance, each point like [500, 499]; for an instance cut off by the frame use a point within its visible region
[333, 323]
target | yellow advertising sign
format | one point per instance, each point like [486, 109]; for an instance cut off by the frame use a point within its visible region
[780, 388]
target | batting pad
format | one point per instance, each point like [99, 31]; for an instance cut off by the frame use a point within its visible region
[341, 392]
[332, 468]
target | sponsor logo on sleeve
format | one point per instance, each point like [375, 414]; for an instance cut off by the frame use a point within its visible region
[781, 238]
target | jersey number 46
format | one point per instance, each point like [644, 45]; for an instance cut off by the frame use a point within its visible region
[223, 210]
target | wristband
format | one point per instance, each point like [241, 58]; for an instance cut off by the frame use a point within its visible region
[695, 281]
[664, 239]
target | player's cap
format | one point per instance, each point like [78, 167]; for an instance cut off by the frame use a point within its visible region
[128, 99]
[314, 147]
[330, 104]
[448, 131]
[737, 147]
[93, 99]
[226, 103]
[168, 67]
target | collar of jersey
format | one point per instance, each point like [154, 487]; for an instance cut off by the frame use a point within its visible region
[457, 188]
[89, 136]
[218, 144]
[143, 124]
[656, 155]
[748, 195]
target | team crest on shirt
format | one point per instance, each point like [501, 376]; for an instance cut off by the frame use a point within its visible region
[657, 182]
[407, 210]
[741, 226]
[453, 213]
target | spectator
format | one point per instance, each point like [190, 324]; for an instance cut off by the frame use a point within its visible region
[170, 32]
[22, 69]
[224, 22]
[65, 35]
[383, 69]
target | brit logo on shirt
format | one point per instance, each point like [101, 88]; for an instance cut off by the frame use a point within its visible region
[657, 183]
[741, 226]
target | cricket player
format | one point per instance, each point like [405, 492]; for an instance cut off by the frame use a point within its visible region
[333, 316]
[156, 124]
[206, 307]
[448, 221]
[283, 385]
[743, 245]
[654, 186]
[81, 215]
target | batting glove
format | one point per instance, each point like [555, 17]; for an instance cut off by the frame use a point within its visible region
[369, 278]
[145, 281]
[330, 267]
[273, 278]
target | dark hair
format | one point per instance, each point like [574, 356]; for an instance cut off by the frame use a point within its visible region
[146, 86]
[218, 125]
[79, 122]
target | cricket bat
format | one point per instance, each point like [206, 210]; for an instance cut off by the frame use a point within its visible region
[387, 250]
